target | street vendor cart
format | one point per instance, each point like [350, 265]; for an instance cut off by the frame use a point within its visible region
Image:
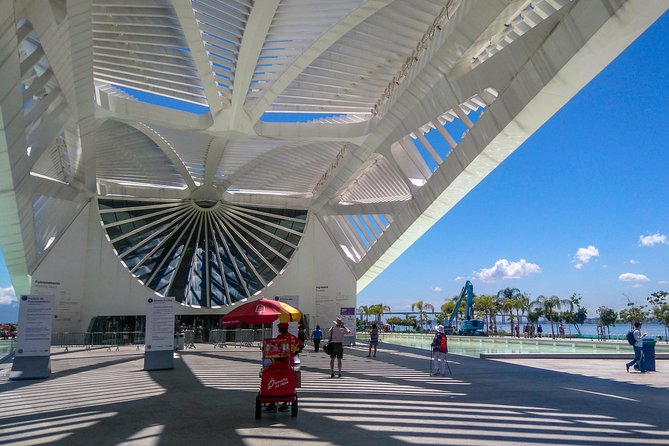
[278, 378]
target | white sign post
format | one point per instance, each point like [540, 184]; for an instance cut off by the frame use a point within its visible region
[33, 340]
[159, 336]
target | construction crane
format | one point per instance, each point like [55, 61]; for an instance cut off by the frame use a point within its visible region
[468, 326]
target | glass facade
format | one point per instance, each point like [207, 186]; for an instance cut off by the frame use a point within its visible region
[204, 254]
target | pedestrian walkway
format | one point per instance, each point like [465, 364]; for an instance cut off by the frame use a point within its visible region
[105, 398]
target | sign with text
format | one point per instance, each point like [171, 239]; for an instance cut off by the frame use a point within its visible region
[35, 319]
[348, 317]
[159, 323]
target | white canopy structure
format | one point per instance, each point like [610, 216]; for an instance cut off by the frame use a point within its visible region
[217, 150]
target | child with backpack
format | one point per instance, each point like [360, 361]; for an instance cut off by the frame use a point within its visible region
[439, 350]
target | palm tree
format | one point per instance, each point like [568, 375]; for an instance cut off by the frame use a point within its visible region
[364, 310]
[550, 307]
[422, 307]
[487, 305]
[378, 310]
[521, 304]
[507, 308]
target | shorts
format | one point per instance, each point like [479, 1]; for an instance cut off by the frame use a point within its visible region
[373, 342]
[337, 350]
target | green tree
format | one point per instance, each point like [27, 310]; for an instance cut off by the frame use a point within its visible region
[661, 309]
[521, 304]
[533, 317]
[550, 307]
[661, 313]
[506, 299]
[507, 308]
[633, 313]
[394, 320]
[607, 317]
[378, 310]
[364, 310]
[421, 308]
[658, 298]
[410, 321]
[487, 306]
[576, 315]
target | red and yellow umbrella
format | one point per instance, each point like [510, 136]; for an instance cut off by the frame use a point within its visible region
[261, 311]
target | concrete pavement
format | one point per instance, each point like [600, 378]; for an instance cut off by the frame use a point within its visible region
[102, 397]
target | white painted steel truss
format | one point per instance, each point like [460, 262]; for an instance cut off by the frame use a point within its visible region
[237, 119]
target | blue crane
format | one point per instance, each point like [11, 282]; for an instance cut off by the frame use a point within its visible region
[469, 326]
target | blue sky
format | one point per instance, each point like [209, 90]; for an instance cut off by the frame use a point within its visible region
[574, 202]
[581, 207]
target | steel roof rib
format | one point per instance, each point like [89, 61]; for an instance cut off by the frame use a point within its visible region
[162, 111]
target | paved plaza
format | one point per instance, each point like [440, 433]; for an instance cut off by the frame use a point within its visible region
[102, 397]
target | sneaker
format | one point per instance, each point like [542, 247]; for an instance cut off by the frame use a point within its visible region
[332, 375]
[627, 368]
[284, 408]
[340, 374]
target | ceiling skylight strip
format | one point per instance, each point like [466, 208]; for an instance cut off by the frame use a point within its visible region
[221, 266]
[233, 259]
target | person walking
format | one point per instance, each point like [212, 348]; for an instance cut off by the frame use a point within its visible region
[373, 339]
[316, 336]
[337, 333]
[439, 350]
[301, 335]
[638, 349]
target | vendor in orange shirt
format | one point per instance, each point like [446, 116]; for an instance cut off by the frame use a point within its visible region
[294, 344]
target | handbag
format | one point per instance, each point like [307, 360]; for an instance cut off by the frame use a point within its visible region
[327, 348]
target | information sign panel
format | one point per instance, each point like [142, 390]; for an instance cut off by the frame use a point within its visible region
[159, 324]
[35, 320]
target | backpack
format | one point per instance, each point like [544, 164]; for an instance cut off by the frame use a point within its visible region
[630, 338]
[443, 344]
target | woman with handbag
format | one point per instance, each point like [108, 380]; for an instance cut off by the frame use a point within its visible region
[337, 333]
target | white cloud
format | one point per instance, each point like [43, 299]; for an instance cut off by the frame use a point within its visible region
[634, 262]
[583, 255]
[655, 239]
[503, 269]
[437, 289]
[461, 278]
[7, 296]
[632, 277]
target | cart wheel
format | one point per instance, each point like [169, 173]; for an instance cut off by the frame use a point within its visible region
[258, 408]
[293, 408]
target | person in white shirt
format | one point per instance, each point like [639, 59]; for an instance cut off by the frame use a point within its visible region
[337, 333]
[638, 349]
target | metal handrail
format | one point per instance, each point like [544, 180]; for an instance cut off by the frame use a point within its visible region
[246, 337]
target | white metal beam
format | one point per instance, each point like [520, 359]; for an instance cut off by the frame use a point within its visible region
[317, 48]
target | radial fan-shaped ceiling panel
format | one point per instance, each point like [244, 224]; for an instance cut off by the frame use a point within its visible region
[204, 254]
[129, 157]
